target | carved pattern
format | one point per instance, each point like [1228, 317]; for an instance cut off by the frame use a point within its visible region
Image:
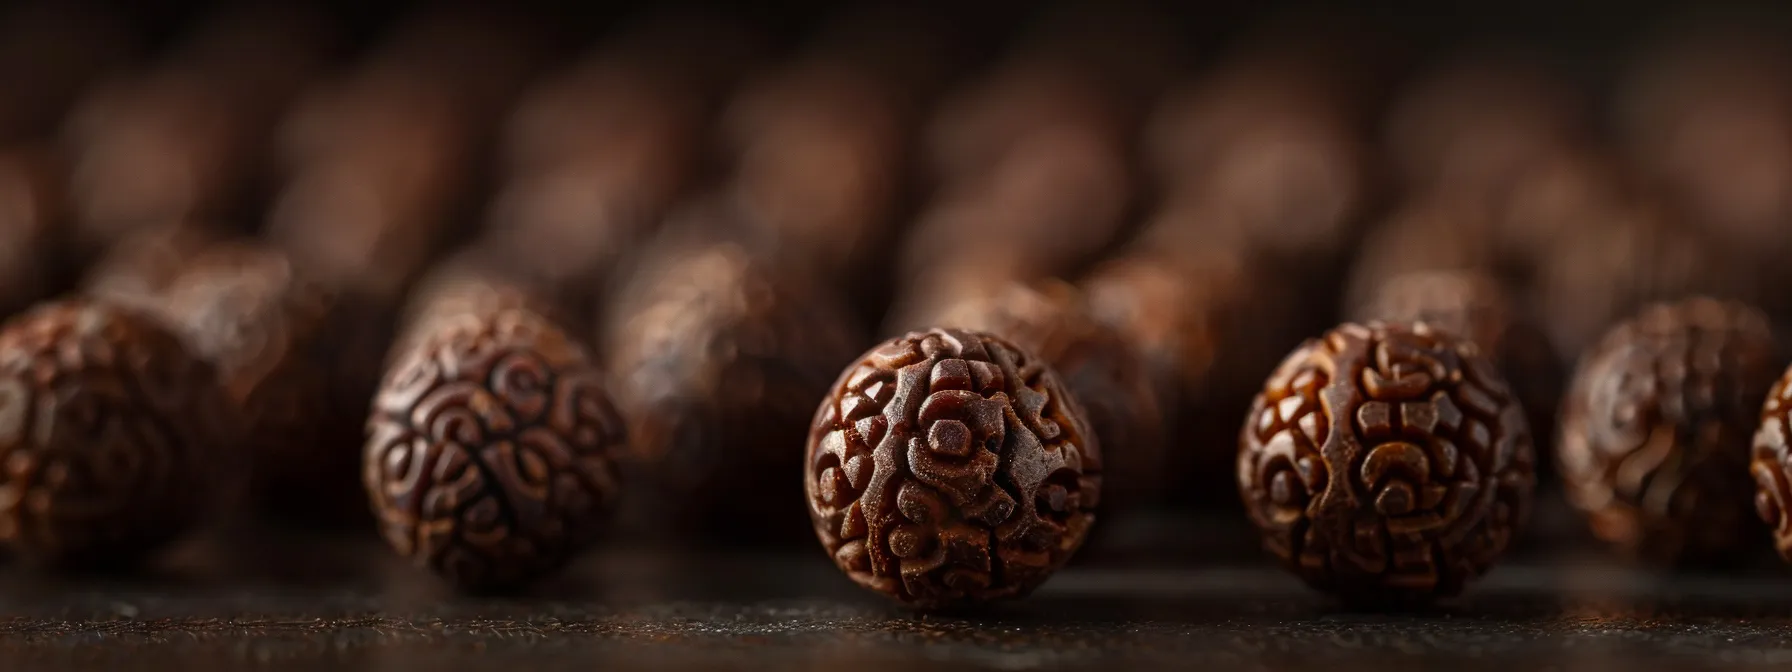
[1387, 463]
[109, 439]
[948, 467]
[490, 451]
[1655, 430]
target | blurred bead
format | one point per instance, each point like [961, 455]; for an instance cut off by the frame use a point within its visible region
[1656, 428]
[717, 359]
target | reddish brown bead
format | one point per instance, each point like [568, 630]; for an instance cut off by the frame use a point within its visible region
[1387, 463]
[718, 359]
[1771, 464]
[951, 468]
[109, 435]
[490, 450]
[1656, 427]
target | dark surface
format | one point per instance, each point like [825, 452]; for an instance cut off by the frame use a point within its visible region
[350, 605]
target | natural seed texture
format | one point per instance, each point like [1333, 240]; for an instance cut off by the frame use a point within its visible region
[490, 450]
[949, 468]
[108, 435]
[1387, 463]
[1655, 431]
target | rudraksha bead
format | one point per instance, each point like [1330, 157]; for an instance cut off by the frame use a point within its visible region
[1387, 463]
[110, 435]
[718, 358]
[491, 448]
[949, 468]
[1656, 430]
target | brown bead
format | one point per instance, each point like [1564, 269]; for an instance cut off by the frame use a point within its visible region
[1387, 463]
[718, 358]
[110, 435]
[1656, 426]
[1771, 464]
[490, 453]
[950, 468]
[1051, 319]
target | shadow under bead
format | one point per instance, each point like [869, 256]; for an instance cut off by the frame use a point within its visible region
[950, 468]
[491, 449]
[112, 435]
[1387, 463]
[1656, 428]
[1051, 319]
[718, 357]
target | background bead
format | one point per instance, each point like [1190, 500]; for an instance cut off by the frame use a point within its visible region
[1654, 443]
[110, 436]
[490, 452]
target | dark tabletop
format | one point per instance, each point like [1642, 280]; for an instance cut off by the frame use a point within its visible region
[342, 602]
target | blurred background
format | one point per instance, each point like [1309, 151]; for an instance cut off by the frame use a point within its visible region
[728, 203]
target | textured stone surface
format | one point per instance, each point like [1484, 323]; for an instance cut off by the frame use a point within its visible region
[1655, 431]
[949, 468]
[1387, 463]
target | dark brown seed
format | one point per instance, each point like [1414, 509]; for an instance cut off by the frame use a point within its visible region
[718, 358]
[1387, 463]
[1655, 434]
[491, 449]
[950, 468]
[111, 436]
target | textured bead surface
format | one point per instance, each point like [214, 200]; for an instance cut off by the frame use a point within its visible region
[109, 435]
[950, 468]
[490, 450]
[1387, 463]
[1655, 430]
